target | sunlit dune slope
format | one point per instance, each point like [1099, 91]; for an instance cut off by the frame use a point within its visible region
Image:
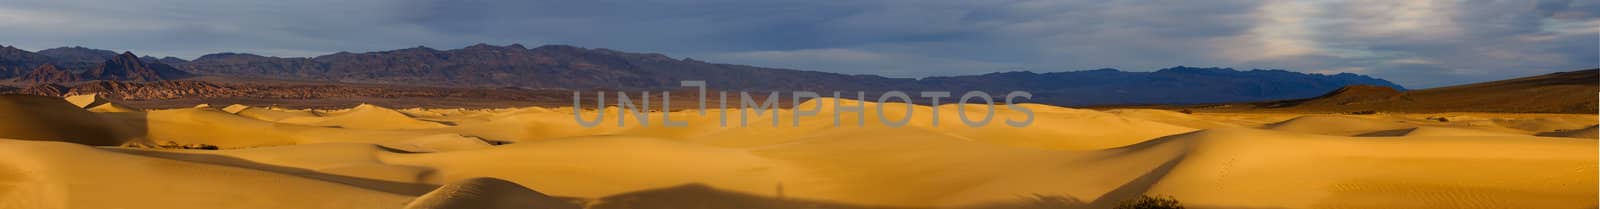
[365, 117]
[62, 175]
[1264, 169]
[95, 103]
[1336, 125]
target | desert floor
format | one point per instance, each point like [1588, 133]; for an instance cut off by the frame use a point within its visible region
[83, 152]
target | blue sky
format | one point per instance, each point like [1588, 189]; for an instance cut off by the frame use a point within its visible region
[1414, 43]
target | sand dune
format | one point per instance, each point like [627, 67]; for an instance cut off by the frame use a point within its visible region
[365, 117]
[1417, 172]
[95, 103]
[909, 167]
[1436, 131]
[1336, 125]
[52, 119]
[1586, 133]
[61, 175]
[265, 114]
[374, 157]
[487, 193]
[437, 143]
[1171, 117]
[570, 167]
[235, 108]
[219, 128]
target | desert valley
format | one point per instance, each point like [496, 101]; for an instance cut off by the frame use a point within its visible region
[207, 140]
[741, 104]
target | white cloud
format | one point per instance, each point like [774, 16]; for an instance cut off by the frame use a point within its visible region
[1408, 20]
[1284, 29]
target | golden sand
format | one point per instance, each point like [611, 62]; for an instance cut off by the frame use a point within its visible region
[87, 153]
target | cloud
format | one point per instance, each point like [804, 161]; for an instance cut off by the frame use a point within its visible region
[1415, 43]
[1435, 43]
[1282, 30]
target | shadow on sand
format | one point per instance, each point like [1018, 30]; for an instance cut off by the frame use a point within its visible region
[401, 188]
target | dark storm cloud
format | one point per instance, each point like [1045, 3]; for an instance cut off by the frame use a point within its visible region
[1416, 43]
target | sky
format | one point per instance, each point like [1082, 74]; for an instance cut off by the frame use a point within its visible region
[1417, 44]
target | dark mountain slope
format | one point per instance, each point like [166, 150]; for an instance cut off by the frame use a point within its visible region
[1564, 92]
[15, 62]
[128, 67]
[575, 68]
[48, 73]
[567, 67]
[78, 54]
[553, 66]
[124, 67]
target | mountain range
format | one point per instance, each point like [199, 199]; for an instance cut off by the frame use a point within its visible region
[1562, 92]
[123, 67]
[575, 68]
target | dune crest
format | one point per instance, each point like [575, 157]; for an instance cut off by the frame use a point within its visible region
[365, 116]
[1336, 125]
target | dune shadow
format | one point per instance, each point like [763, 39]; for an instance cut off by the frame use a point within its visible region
[128, 126]
[1387, 133]
[699, 196]
[1035, 201]
[1138, 186]
[400, 188]
[1570, 133]
[446, 123]
[1135, 188]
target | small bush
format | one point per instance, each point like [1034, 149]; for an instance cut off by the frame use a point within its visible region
[175, 145]
[1186, 111]
[1364, 112]
[1148, 202]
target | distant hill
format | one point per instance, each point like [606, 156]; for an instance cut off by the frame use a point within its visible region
[78, 54]
[48, 73]
[128, 67]
[14, 62]
[77, 58]
[569, 67]
[163, 60]
[124, 67]
[1564, 92]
